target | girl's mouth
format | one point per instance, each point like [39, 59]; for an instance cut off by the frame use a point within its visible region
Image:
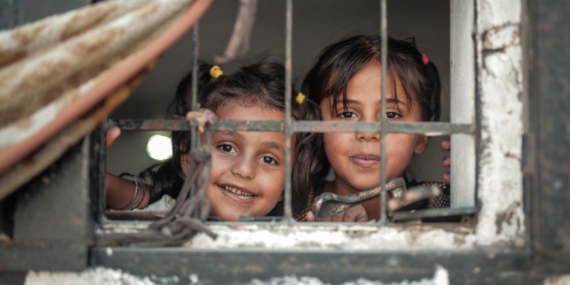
[365, 160]
[237, 193]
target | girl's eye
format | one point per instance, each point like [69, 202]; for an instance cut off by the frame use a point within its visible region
[393, 115]
[347, 115]
[227, 148]
[269, 160]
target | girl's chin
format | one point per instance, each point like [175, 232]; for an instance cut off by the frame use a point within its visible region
[365, 183]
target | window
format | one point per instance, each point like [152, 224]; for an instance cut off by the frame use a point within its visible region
[470, 127]
[503, 55]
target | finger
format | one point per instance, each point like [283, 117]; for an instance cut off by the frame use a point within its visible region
[350, 215]
[112, 135]
[447, 177]
[446, 161]
[445, 145]
[310, 217]
[356, 214]
[362, 217]
[338, 217]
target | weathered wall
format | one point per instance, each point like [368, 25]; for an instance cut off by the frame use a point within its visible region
[500, 90]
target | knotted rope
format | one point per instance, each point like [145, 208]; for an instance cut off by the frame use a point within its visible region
[186, 218]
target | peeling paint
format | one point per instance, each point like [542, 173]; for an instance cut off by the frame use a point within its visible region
[557, 280]
[95, 276]
[104, 276]
[499, 65]
[441, 277]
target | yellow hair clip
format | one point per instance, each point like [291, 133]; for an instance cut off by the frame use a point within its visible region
[216, 72]
[300, 98]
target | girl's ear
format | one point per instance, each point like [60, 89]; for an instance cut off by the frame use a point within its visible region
[422, 144]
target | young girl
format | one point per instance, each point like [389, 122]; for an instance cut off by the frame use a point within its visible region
[346, 82]
[248, 168]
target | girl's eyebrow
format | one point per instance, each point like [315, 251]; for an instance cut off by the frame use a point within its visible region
[354, 102]
[391, 101]
[229, 133]
[388, 101]
[274, 145]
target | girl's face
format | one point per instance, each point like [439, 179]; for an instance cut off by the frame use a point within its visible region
[248, 168]
[355, 158]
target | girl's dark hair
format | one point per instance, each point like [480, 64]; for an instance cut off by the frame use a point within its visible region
[257, 83]
[341, 61]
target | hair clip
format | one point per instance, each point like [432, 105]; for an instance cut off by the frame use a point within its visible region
[216, 71]
[300, 98]
[425, 59]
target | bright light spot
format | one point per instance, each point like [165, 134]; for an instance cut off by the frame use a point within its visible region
[159, 147]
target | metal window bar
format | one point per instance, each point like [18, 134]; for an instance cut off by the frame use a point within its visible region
[383, 121]
[288, 214]
[193, 138]
[289, 126]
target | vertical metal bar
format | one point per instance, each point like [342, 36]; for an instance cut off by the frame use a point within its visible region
[102, 158]
[288, 122]
[195, 52]
[194, 103]
[384, 119]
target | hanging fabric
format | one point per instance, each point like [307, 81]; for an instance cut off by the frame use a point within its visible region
[62, 75]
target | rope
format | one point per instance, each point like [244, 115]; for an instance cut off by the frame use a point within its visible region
[186, 218]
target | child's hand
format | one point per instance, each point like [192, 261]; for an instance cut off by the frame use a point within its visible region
[446, 145]
[112, 135]
[355, 214]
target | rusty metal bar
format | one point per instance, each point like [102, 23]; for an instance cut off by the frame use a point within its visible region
[194, 104]
[288, 213]
[195, 53]
[384, 119]
[428, 128]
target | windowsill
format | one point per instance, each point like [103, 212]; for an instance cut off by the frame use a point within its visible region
[329, 236]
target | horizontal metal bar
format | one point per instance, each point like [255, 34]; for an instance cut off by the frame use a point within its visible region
[43, 255]
[434, 213]
[222, 266]
[148, 125]
[428, 128]
[130, 215]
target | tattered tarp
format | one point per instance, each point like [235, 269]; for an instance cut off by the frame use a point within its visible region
[60, 76]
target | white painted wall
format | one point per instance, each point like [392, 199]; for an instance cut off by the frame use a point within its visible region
[500, 85]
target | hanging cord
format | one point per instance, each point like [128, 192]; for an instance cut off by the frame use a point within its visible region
[186, 218]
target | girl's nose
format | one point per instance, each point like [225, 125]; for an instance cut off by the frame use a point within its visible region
[244, 168]
[369, 117]
[368, 136]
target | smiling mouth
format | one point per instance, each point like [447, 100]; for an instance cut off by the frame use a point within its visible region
[237, 193]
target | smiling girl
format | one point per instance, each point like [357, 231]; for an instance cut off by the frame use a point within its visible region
[248, 168]
[346, 82]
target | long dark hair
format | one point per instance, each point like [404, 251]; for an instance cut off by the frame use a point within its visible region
[339, 62]
[264, 83]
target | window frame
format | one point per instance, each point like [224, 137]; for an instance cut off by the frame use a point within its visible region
[542, 254]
